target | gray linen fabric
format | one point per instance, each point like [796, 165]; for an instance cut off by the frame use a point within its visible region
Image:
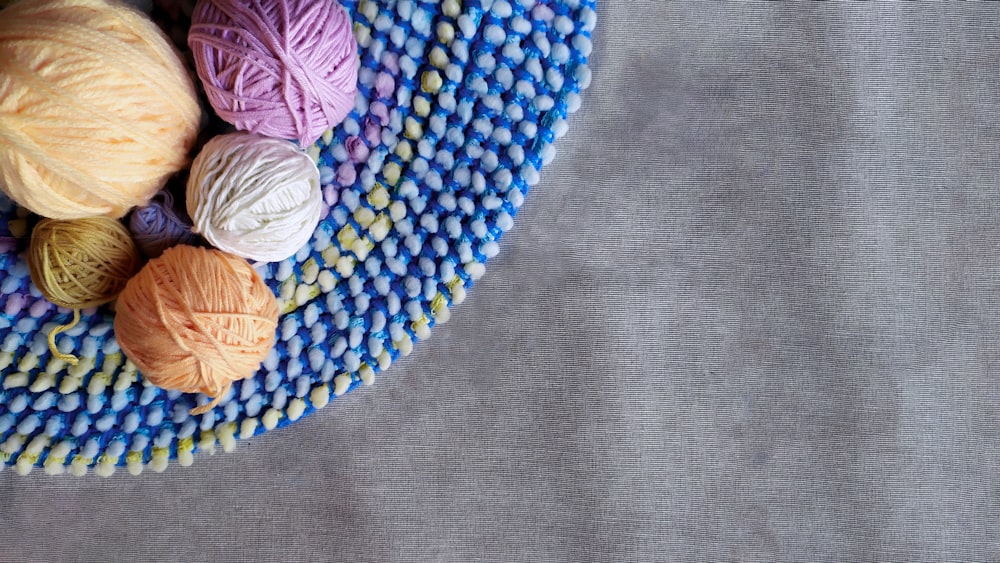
[750, 313]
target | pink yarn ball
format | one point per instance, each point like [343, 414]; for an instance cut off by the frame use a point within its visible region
[279, 68]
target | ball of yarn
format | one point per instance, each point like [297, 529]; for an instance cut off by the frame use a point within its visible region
[96, 108]
[280, 68]
[195, 320]
[253, 196]
[80, 263]
[157, 226]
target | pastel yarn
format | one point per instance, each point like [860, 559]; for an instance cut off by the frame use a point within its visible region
[349, 311]
[253, 196]
[96, 108]
[280, 68]
[195, 320]
[157, 226]
[80, 263]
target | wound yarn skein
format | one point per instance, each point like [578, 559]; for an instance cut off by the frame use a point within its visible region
[280, 68]
[157, 226]
[195, 320]
[97, 109]
[253, 196]
[80, 263]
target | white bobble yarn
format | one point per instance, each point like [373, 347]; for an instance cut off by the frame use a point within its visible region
[254, 196]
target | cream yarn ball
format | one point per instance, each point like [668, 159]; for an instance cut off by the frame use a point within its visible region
[97, 109]
[254, 196]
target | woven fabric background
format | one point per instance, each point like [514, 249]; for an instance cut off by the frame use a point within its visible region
[751, 312]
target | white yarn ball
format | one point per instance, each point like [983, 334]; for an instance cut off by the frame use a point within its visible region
[253, 196]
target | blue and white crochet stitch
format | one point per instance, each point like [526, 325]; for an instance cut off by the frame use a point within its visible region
[459, 104]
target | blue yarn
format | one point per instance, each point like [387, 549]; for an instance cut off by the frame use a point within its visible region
[445, 157]
[157, 226]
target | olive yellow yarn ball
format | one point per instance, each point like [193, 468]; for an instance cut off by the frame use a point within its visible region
[97, 109]
[82, 262]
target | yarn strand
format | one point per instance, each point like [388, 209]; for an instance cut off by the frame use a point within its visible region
[211, 405]
[68, 358]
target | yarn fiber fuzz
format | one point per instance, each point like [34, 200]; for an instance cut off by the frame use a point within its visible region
[196, 320]
[96, 107]
[281, 68]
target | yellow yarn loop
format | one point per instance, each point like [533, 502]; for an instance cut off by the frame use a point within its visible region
[80, 263]
[97, 110]
[68, 358]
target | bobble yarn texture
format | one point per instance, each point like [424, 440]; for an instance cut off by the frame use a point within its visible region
[280, 68]
[96, 108]
[458, 107]
[253, 196]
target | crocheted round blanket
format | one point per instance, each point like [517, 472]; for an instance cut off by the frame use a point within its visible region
[459, 104]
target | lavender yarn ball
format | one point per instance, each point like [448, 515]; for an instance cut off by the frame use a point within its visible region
[279, 68]
[157, 227]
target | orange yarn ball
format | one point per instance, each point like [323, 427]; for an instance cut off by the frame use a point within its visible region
[195, 320]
